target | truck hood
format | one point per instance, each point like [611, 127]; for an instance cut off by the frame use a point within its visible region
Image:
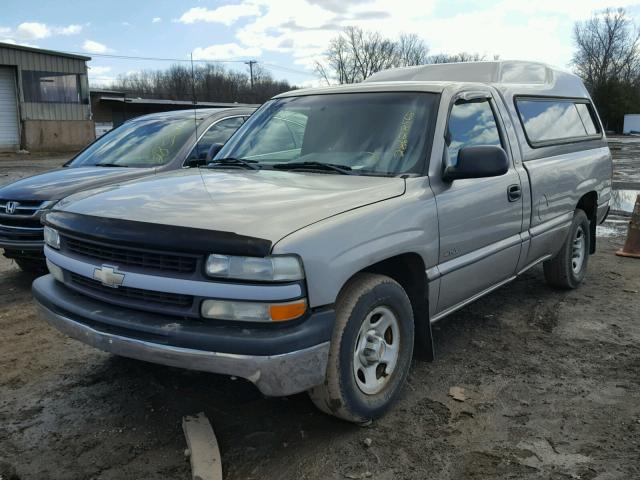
[60, 183]
[265, 204]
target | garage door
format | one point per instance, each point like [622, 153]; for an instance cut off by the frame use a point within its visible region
[9, 131]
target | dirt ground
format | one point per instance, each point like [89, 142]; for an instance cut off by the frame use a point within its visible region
[552, 380]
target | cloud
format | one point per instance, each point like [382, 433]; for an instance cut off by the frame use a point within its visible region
[68, 30]
[27, 31]
[338, 6]
[519, 29]
[225, 51]
[512, 29]
[33, 30]
[156, 20]
[95, 47]
[125, 24]
[226, 14]
[38, 31]
[99, 75]
[97, 70]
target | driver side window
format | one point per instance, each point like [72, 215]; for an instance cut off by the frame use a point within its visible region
[471, 123]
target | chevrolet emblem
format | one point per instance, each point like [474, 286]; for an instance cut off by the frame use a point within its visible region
[109, 276]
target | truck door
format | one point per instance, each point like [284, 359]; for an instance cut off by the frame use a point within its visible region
[480, 220]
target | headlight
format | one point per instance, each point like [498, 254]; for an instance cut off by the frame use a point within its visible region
[52, 237]
[55, 270]
[277, 268]
[253, 311]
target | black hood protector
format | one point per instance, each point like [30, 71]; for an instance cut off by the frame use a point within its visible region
[154, 236]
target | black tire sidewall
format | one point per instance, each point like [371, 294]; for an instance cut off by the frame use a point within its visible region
[392, 296]
[580, 219]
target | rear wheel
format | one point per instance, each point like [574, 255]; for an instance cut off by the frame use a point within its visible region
[569, 267]
[371, 350]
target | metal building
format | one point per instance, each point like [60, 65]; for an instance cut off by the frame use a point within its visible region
[44, 100]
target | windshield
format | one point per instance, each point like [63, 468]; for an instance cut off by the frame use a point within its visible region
[366, 133]
[142, 143]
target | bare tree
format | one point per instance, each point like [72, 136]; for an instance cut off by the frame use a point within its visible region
[607, 57]
[458, 57]
[607, 48]
[355, 55]
[411, 50]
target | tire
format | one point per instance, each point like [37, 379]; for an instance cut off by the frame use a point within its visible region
[568, 268]
[32, 266]
[359, 385]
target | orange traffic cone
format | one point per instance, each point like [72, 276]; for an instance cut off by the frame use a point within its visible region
[632, 245]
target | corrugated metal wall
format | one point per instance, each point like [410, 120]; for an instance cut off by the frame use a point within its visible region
[42, 62]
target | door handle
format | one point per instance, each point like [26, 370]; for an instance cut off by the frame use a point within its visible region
[514, 193]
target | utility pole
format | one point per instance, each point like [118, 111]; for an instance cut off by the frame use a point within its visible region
[251, 63]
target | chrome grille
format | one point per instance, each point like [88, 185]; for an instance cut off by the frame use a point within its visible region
[23, 208]
[23, 223]
[147, 259]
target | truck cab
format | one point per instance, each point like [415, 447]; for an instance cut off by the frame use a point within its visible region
[335, 227]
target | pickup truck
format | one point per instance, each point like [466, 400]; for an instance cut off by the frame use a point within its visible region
[143, 146]
[325, 238]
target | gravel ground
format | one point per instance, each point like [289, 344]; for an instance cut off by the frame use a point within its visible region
[550, 379]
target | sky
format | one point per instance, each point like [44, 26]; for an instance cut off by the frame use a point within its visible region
[287, 36]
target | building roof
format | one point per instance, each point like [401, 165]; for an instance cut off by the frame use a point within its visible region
[44, 52]
[103, 91]
[149, 101]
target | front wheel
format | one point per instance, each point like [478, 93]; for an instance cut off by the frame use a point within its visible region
[569, 267]
[371, 350]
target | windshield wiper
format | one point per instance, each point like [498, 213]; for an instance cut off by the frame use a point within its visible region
[236, 162]
[111, 165]
[342, 169]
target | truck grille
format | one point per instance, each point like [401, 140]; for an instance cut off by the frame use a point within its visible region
[137, 294]
[130, 256]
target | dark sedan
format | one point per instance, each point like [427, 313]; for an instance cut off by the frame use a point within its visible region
[140, 147]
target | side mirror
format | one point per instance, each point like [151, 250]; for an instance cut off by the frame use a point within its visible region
[213, 151]
[478, 162]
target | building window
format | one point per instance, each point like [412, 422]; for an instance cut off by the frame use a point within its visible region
[49, 87]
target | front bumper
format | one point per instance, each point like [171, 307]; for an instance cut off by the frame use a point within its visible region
[27, 245]
[278, 360]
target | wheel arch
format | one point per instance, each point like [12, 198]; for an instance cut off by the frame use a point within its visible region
[588, 203]
[408, 269]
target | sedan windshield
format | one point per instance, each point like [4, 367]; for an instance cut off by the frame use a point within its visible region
[141, 143]
[360, 133]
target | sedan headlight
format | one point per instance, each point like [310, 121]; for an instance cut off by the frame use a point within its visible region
[266, 269]
[52, 237]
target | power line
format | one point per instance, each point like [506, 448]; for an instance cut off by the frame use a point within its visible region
[251, 63]
[161, 59]
[287, 69]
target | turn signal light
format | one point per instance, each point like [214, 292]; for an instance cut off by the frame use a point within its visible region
[287, 311]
